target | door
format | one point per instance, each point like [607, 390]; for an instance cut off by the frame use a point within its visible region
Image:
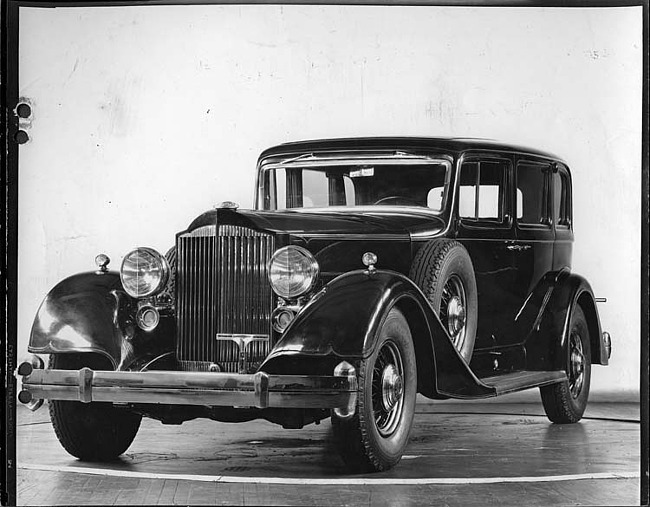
[535, 234]
[484, 226]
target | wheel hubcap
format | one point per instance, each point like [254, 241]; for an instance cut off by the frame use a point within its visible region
[453, 311]
[392, 387]
[576, 365]
[388, 389]
[455, 316]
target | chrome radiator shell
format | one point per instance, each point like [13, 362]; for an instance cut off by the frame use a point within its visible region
[222, 288]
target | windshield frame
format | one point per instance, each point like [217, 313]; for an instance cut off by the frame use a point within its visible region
[310, 160]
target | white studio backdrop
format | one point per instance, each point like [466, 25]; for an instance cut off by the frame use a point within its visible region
[143, 117]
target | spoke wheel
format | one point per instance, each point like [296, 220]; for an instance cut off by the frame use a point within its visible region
[374, 438]
[576, 365]
[566, 402]
[388, 389]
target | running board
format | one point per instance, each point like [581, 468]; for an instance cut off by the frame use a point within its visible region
[520, 380]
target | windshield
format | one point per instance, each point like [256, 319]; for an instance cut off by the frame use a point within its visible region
[418, 182]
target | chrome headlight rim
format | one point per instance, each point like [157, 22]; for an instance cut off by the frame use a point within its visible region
[156, 288]
[312, 268]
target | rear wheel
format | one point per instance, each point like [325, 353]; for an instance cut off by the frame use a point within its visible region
[374, 439]
[444, 272]
[90, 431]
[566, 402]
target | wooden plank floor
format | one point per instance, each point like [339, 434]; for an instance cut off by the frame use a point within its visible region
[450, 442]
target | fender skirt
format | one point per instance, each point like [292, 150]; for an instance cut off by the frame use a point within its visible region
[91, 313]
[342, 322]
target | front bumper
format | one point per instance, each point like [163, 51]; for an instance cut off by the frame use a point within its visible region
[259, 390]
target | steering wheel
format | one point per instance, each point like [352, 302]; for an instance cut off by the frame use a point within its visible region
[398, 200]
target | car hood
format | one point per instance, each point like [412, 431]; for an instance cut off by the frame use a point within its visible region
[396, 222]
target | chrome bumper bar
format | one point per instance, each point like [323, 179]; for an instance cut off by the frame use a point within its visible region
[259, 390]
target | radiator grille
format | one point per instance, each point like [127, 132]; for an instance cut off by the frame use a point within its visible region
[222, 288]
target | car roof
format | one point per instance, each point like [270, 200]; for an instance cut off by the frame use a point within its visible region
[454, 145]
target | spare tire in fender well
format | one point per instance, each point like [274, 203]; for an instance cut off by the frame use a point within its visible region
[443, 270]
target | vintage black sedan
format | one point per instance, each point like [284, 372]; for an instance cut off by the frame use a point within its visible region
[369, 270]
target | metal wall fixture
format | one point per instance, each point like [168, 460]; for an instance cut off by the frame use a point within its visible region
[24, 110]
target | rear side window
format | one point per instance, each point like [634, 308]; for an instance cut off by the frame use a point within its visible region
[561, 199]
[533, 194]
[481, 193]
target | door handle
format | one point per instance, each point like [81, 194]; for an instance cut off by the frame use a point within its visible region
[518, 248]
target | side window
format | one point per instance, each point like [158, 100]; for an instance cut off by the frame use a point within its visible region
[561, 200]
[533, 194]
[482, 190]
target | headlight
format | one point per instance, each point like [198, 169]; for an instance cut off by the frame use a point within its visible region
[292, 271]
[144, 272]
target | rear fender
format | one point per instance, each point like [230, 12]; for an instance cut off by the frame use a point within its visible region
[91, 313]
[343, 320]
[552, 333]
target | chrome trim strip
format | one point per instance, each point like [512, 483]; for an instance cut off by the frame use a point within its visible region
[244, 339]
[349, 237]
[321, 162]
[387, 158]
[371, 210]
[236, 230]
[204, 231]
[517, 381]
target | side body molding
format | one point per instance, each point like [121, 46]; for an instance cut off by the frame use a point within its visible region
[90, 313]
[343, 320]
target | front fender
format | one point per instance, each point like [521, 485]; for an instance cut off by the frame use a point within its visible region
[343, 320]
[90, 313]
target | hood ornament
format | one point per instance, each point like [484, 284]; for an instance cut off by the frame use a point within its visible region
[227, 205]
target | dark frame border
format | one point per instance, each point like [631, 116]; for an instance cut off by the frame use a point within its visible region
[9, 16]
[9, 156]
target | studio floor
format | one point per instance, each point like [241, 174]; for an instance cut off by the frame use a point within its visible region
[459, 454]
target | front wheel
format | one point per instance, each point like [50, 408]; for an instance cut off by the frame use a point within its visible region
[566, 402]
[90, 431]
[374, 439]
